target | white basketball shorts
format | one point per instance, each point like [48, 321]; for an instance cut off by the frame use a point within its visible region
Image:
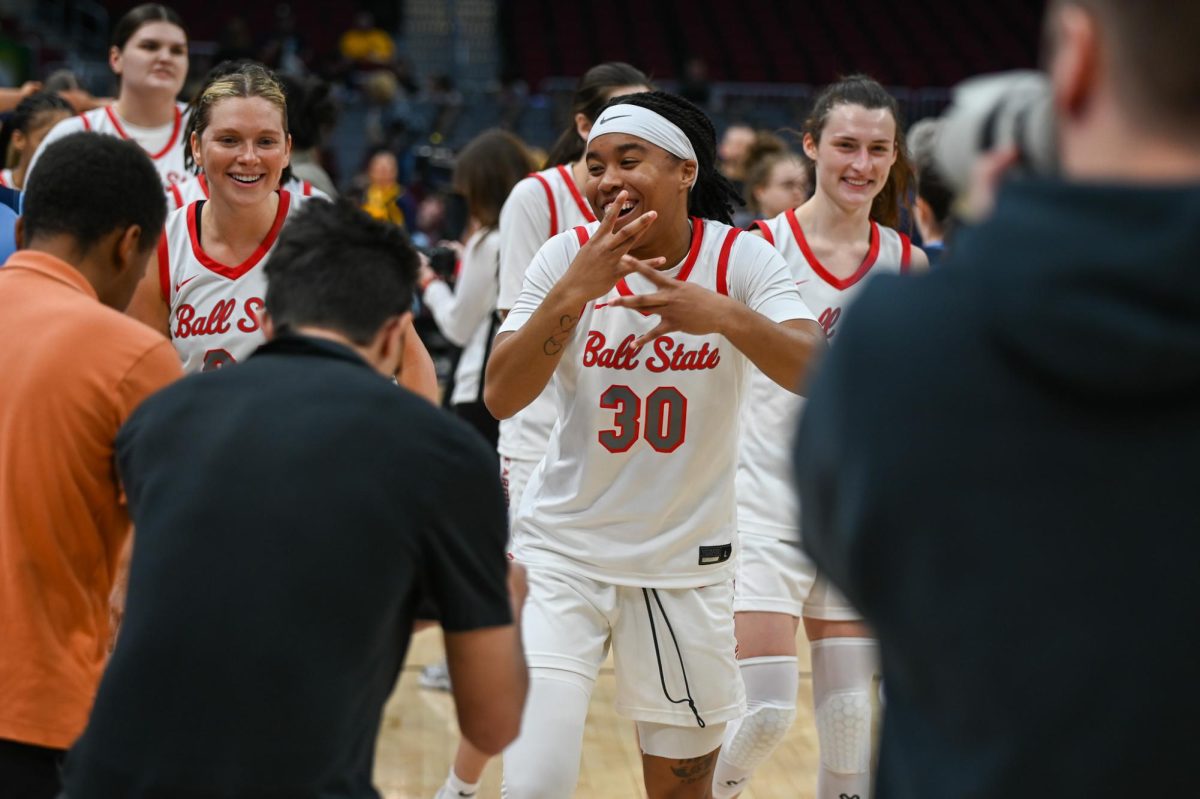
[668, 644]
[775, 576]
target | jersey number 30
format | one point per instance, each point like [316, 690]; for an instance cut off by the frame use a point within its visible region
[665, 418]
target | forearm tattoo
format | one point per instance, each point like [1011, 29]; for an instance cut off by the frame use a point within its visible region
[694, 769]
[559, 338]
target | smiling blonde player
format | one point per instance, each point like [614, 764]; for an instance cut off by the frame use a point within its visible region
[645, 323]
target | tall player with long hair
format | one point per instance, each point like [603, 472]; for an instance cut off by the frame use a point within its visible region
[860, 170]
[644, 324]
[149, 54]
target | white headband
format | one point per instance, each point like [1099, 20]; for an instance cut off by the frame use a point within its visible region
[645, 124]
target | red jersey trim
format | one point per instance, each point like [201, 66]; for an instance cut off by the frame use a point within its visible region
[582, 234]
[693, 253]
[235, 272]
[723, 261]
[203, 184]
[584, 208]
[905, 253]
[178, 195]
[766, 231]
[164, 268]
[306, 188]
[819, 268]
[549, 201]
[3, 182]
[112, 116]
[87, 124]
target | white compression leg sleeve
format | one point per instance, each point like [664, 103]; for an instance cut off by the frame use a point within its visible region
[543, 762]
[771, 685]
[843, 672]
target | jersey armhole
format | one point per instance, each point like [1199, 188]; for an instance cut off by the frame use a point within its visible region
[905, 253]
[765, 229]
[723, 261]
[164, 269]
[549, 201]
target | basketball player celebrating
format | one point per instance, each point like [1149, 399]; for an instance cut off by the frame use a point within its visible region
[645, 323]
[539, 207]
[24, 130]
[832, 242]
[149, 54]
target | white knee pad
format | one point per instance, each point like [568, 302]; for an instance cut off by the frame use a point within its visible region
[543, 763]
[843, 672]
[771, 685]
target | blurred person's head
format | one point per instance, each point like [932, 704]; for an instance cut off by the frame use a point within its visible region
[598, 85]
[935, 199]
[735, 144]
[237, 133]
[28, 124]
[382, 169]
[486, 171]
[1126, 87]
[149, 51]
[774, 177]
[312, 112]
[97, 205]
[335, 270]
[855, 148]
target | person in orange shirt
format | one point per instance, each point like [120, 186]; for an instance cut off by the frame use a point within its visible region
[74, 367]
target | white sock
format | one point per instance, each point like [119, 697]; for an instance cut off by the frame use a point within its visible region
[455, 787]
[843, 672]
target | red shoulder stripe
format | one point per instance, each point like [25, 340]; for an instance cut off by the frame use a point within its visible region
[164, 269]
[549, 201]
[766, 231]
[87, 125]
[723, 261]
[584, 208]
[176, 194]
[582, 234]
[905, 253]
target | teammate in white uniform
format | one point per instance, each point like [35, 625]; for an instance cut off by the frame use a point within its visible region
[24, 130]
[207, 291]
[484, 173]
[832, 242]
[540, 207]
[645, 324]
[149, 54]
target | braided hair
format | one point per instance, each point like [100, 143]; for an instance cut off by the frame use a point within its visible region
[24, 117]
[713, 196]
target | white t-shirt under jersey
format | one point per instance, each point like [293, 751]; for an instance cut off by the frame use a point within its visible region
[195, 188]
[637, 486]
[164, 144]
[766, 496]
[215, 309]
[538, 208]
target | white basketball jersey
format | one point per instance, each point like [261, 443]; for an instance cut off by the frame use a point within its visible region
[538, 208]
[215, 309]
[6, 178]
[766, 497]
[637, 486]
[168, 158]
[196, 188]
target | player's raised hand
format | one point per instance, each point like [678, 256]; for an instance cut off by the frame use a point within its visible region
[681, 306]
[600, 263]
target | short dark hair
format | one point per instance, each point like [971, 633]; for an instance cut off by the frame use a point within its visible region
[87, 185]
[1156, 63]
[336, 267]
[26, 115]
[138, 16]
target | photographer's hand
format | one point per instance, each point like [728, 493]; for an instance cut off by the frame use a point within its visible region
[986, 176]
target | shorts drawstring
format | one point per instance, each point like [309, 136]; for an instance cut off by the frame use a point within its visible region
[691, 703]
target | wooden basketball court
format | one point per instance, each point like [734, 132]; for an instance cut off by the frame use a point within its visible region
[419, 735]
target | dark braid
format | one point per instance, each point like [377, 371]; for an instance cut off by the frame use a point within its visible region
[713, 196]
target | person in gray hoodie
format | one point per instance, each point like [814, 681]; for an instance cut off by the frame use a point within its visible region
[997, 464]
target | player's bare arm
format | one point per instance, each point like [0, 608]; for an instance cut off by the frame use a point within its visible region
[523, 361]
[783, 351]
[417, 373]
